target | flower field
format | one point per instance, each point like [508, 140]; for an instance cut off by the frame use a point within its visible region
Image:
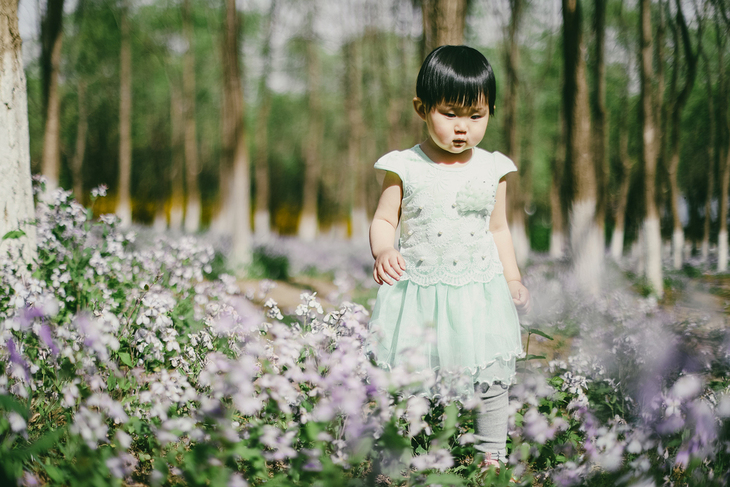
[133, 360]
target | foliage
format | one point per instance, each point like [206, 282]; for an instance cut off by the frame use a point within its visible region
[121, 361]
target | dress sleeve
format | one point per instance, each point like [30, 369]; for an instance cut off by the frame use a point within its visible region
[503, 165]
[393, 162]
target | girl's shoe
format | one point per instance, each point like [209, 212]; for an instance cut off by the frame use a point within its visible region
[489, 462]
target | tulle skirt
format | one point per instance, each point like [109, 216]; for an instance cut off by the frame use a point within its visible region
[471, 329]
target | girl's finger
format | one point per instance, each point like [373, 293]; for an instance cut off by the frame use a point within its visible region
[375, 276]
[392, 272]
[385, 275]
[401, 262]
[395, 265]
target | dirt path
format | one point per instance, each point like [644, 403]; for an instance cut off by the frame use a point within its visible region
[287, 293]
[697, 304]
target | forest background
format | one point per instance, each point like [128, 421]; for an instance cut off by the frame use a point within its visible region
[135, 95]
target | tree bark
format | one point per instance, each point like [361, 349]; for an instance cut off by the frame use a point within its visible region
[77, 161]
[16, 194]
[443, 22]
[309, 221]
[617, 238]
[51, 40]
[192, 206]
[599, 122]
[356, 133]
[262, 215]
[711, 157]
[651, 227]
[177, 136]
[627, 163]
[722, 240]
[239, 203]
[557, 172]
[124, 204]
[677, 103]
[515, 191]
[585, 236]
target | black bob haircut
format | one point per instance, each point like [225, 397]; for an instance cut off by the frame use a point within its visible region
[458, 75]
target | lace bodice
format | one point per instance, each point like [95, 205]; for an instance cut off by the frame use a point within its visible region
[445, 216]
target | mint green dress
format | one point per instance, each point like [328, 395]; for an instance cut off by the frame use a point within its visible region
[452, 309]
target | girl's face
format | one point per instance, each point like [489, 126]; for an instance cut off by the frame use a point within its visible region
[454, 129]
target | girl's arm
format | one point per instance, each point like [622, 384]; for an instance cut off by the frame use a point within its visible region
[389, 263]
[503, 238]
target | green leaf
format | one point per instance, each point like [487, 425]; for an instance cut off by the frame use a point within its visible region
[126, 359]
[444, 479]
[10, 404]
[14, 234]
[451, 414]
[535, 331]
[54, 473]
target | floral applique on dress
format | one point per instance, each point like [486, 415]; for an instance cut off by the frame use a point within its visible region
[477, 195]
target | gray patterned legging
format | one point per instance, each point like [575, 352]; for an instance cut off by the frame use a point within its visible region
[490, 427]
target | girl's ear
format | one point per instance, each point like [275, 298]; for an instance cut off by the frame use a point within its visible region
[419, 107]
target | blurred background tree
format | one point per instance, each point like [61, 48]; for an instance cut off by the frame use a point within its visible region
[172, 103]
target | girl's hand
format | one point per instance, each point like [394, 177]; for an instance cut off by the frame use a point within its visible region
[389, 265]
[520, 296]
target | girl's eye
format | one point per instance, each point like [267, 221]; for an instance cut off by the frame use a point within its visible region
[476, 117]
[450, 115]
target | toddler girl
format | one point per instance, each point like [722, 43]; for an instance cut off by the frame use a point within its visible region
[455, 270]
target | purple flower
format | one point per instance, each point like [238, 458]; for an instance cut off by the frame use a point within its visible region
[45, 335]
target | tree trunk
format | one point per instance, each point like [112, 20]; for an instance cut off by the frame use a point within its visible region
[599, 122]
[356, 128]
[51, 39]
[515, 191]
[651, 228]
[239, 203]
[711, 157]
[722, 243]
[309, 222]
[585, 236]
[262, 216]
[678, 101]
[177, 136]
[77, 162]
[443, 23]
[16, 194]
[124, 205]
[192, 206]
[557, 173]
[617, 238]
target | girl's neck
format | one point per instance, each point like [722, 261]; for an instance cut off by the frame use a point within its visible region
[441, 156]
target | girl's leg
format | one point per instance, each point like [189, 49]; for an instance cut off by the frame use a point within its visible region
[490, 427]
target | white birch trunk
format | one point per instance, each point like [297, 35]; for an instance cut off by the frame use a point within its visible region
[677, 248]
[617, 244]
[705, 250]
[520, 241]
[124, 205]
[262, 223]
[16, 194]
[587, 246]
[557, 244]
[637, 253]
[160, 223]
[653, 252]
[241, 204]
[722, 251]
[360, 223]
